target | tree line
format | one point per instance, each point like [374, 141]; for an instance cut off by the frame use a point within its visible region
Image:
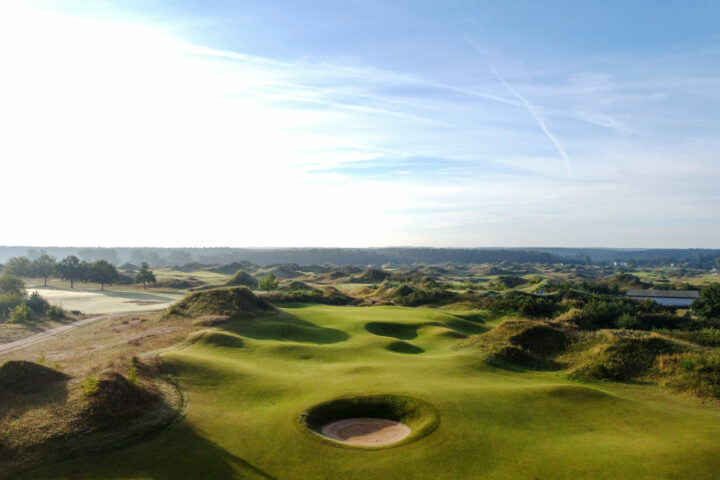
[70, 268]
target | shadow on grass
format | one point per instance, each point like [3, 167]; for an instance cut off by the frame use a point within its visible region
[404, 347]
[178, 453]
[400, 331]
[286, 327]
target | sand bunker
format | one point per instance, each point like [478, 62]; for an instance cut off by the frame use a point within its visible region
[366, 431]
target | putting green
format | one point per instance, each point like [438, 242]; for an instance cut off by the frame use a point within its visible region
[249, 383]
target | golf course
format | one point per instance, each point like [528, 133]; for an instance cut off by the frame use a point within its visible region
[261, 389]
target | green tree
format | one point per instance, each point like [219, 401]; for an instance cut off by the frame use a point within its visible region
[13, 284]
[707, 306]
[717, 261]
[144, 275]
[102, 272]
[21, 314]
[44, 266]
[70, 268]
[20, 266]
[268, 283]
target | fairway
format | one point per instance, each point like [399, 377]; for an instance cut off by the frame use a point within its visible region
[250, 383]
[108, 301]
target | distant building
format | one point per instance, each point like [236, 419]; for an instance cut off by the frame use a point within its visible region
[672, 298]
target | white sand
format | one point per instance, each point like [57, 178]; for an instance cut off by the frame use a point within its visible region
[366, 431]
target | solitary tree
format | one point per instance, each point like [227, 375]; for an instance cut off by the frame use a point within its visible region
[102, 272]
[268, 283]
[144, 275]
[44, 266]
[69, 268]
[20, 266]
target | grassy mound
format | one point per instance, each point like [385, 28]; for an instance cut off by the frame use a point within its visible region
[290, 329]
[327, 296]
[243, 278]
[116, 401]
[521, 343]
[236, 302]
[417, 414]
[372, 275]
[181, 283]
[695, 373]
[401, 331]
[27, 377]
[230, 268]
[297, 285]
[284, 271]
[622, 355]
[404, 347]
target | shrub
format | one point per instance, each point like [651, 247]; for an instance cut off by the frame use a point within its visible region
[707, 306]
[21, 314]
[37, 303]
[628, 321]
[602, 313]
[625, 357]
[133, 375]
[90, 385]
[8, 302]
[12, 284]
[697, 373]
[55, 312]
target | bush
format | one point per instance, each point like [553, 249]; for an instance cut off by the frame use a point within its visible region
[37, 303]
[625, 357]
[55, 312]
[90, 385]
[707, 307]
[12, 284]
[697, 373]
[133, 375]
[21, 314]
[628, 321]
[602, 314]
[8, 302]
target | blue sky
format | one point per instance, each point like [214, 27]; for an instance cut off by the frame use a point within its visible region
[361, 123]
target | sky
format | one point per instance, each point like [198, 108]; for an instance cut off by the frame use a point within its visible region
[368, 123]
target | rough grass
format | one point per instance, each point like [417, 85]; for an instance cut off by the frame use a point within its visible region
[621, 355]
[19, 376]
[245, 400]
[233, 301]
[521, 344]
[243, 278]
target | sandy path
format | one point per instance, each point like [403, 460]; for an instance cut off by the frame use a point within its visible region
[366, 431]
[23, 342]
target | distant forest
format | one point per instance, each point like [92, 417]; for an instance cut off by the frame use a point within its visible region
[698, 258]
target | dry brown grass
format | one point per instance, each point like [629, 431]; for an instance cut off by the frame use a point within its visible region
[48, 423]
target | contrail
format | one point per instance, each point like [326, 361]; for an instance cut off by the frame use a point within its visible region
[529, 106]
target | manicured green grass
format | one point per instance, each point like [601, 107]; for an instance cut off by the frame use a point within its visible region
[112, 300]
[248, 383]
[211, 278]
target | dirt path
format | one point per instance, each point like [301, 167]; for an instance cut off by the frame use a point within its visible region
[23, 342]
